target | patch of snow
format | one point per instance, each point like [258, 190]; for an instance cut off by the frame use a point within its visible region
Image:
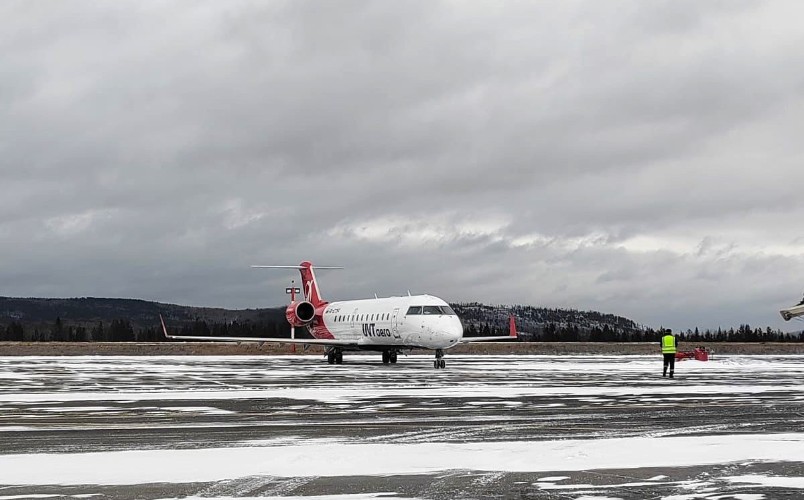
[552, 486]
[208, 410]
[772, 481]
[355, 496]
[32, 495]
[326, 458]
[69, 409]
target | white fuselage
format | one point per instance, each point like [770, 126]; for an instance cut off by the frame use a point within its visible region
[405, 322]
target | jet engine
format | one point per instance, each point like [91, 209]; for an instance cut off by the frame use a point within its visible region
[300, 313]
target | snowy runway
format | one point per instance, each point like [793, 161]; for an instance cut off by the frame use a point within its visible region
[587, 427]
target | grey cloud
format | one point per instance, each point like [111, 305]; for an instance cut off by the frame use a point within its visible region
[156, 150]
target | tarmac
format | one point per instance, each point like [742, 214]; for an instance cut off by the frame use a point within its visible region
[580, 427]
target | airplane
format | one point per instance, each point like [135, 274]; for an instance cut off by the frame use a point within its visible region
[793, 312]
[388, 325]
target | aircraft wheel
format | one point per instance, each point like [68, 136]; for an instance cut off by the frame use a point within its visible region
[436, 364]
[385, 357]
[442, 363]
[331, 358]
[392, 358]
[339, 358]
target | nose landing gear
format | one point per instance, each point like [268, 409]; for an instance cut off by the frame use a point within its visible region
[334, 356]
[389, 357]
[439, 361]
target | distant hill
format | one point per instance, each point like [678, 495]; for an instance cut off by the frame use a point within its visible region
[141, 313]
[91, 318]
[78, 317]
[539, 323]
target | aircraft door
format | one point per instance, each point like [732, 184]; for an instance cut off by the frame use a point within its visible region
[395, 323]
[352, 323]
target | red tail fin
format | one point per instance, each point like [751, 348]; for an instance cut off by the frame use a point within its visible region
[309, 284]
[512, 326]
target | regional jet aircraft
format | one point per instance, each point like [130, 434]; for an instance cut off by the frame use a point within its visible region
[388, 325]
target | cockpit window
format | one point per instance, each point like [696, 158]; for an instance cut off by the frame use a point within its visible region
[414, 310]
[447, 310]
[432, 310]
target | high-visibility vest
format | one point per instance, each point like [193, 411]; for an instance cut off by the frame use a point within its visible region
[668, 344]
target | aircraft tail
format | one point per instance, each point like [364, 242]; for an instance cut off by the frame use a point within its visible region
[309, 283]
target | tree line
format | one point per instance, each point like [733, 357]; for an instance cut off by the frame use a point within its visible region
[122, 330]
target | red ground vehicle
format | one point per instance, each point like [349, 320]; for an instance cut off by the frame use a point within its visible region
[699, 354]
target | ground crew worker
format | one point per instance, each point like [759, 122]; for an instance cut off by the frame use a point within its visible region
[668, 344]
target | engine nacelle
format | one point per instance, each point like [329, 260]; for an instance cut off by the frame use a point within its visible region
[300, 313]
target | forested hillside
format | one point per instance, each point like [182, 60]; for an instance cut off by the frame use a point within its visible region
[540, 324]
[97, 319]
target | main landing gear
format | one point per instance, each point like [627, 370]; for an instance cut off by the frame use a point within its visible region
[389, 357]
[439, 361]
[334, 356]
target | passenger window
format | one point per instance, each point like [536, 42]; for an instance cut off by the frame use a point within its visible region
[414, 310]
[432, 310]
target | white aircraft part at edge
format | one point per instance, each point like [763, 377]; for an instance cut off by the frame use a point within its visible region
[792, 312]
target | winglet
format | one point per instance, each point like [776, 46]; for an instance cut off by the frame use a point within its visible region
[164, 328]
[512, 326]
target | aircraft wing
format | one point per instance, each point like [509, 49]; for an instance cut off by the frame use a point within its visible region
[467, 340]
[511, 334]
[792, 312]
[277, 340]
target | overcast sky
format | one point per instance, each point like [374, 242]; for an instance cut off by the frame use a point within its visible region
[639, 158]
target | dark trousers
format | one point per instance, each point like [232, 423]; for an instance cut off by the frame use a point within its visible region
[669, 359]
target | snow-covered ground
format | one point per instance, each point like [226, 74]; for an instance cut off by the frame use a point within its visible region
[590, 427]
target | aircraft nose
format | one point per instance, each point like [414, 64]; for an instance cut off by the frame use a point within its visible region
[455, 330]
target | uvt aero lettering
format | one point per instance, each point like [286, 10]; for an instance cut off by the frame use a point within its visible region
[369, 330]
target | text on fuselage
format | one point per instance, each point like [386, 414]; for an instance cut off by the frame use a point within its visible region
[370, 330]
